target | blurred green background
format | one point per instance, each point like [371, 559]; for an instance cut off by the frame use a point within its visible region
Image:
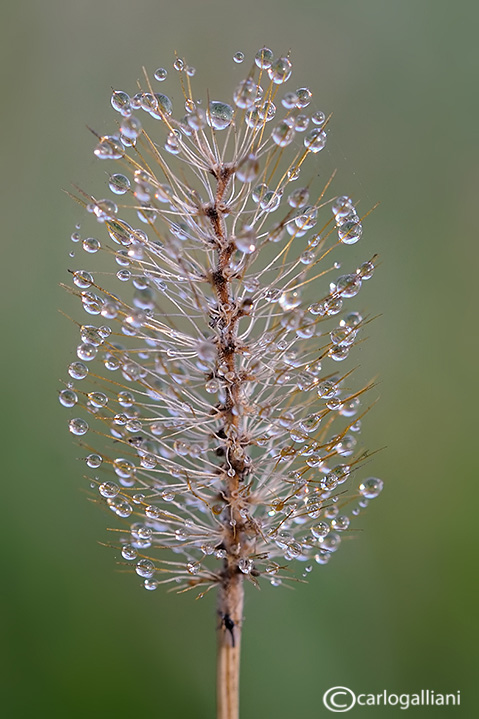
[396, 609]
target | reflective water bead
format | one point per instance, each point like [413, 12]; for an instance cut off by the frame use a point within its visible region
[306, 258]
[304, 95]
[331, 542]
[179, 65]
[371, 487]
[93, 461]
[342, 206]
[350, 407]
[320, 530]
[121, 507]
[264, 58]
[322, 557]
[212, 386]
[123, 275]
[245, 94]
[350, 232]
[120, 101]
[128, 552]
[219, 115]
[299, 198]
[120, 232]
[366, 270]
[245, 240]
[353, 319]
[191, 71]
[347, 285]
[270, 201]
[315, 140]
[290, 300]
[289, 100]
[258, 192]
[280, 70]
[318, 118]
[98, 399]
[245, 565]
[172, 144]
[130, 127]
[109, 490]
[109, 148]
[160, 74]
[340, 523]
[86, 352]
[75, 237]
[301, 123]
[283, 134]
[248, 168]
[145, 568]
[238, 57]
[327, 389]
[91, 245]
[68, 398]
[338, 353]
[78, 426]
[82, 279]
[77, 370]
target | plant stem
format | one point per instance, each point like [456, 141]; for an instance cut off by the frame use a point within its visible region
[230, 609]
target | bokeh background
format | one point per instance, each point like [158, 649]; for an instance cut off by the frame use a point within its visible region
[396, 609]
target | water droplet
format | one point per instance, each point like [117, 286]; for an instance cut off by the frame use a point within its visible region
[68, 398]
[145, 568]
[94, 461]
[366, 270]
[371, 487]
[109, 148]
[130, 128]
[109, 490]
[150, 585]
[238, 57]
[128, 552]
[245, 565]
[219, 115]
[304, 95]
[179, 64]
[245, 240]
[315, 140]
[120, 101]
[78, 426]
[264, 58]
[340, 523]
[82, 279]
[91, 245]
[77, 370]
[160, 74]
[246, 94]
[248, 169]
[350, 232]
[320, 530]
[280, 70]
[283, 134]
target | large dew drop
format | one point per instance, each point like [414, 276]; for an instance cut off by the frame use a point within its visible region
[219, 115]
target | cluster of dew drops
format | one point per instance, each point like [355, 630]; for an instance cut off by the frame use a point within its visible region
[305, 521]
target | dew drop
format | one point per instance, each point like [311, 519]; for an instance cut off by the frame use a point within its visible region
[219, 115]
[371, 487]
[68, 398]
[264, 58]
[238, 57]
[77, 370]
[145, 568]
[78, 426]
[160, 74]
[315, 140]
[280, 70]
